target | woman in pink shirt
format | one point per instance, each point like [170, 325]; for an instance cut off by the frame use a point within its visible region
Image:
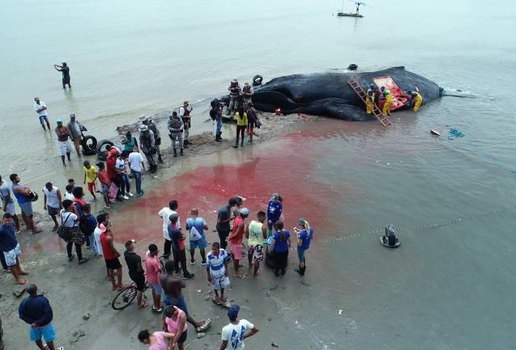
[156, 340]
[153, 269]
[175, 323]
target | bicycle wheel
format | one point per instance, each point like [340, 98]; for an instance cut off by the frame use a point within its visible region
[124, 298]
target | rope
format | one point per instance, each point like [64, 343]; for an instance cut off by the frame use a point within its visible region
[421, 227]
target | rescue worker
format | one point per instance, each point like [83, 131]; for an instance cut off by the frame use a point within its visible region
[247, 93]
[417, 100]
[370, 98]
[175, 129]
[386, 110]
[151, 124]
[148, 146]
[184, 113]
[234, 94]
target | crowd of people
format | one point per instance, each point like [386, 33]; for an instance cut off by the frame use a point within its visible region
[264, 238]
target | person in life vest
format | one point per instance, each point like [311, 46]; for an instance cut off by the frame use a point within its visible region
[417, 100]
[151, 124]
[386, 110]
[184, 112]
[234, 94]
[370, 98]
[247, 93]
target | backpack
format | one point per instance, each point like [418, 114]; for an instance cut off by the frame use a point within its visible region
[195, 235]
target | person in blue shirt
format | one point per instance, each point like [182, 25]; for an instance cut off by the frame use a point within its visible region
[280, 246]
[304, 237]
[274, 210]
[37, 312]
[11, 248]
[196, 224]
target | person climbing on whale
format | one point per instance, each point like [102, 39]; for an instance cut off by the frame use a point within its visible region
[417, 99]
[386, 109]
[370, 98]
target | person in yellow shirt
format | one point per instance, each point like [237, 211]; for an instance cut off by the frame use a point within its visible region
[90, 176]
[386, 110]
[417, 99]
[371, 92]
[241, 119]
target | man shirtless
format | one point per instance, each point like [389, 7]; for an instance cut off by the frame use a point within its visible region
[172, 289]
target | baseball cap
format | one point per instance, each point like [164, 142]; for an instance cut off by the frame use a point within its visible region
[233, 312]
[244, 211]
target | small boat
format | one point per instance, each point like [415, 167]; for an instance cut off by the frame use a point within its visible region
[355, 14]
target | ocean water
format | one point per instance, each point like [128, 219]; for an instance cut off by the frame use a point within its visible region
[450, 284]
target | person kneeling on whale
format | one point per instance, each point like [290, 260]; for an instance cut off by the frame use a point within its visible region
[389, 238]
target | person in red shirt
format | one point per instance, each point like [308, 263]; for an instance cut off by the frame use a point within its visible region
[153, 269]
[236, 237]
[111, 255]
[115, 175]
[105, 182]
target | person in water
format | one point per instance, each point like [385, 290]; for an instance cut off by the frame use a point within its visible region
[389, 238]
[63, 68]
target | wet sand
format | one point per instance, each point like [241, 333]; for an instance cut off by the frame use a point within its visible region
[205, 178]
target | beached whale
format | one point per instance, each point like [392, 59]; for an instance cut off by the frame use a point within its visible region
[329, 94]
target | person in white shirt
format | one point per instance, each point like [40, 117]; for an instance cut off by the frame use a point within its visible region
[120, 165]
[52, 202]
[165, 215]
[137, 168]
[217, 272]
[41, 109]
[236, 331]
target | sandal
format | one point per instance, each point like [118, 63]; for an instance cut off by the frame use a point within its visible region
[143, 305]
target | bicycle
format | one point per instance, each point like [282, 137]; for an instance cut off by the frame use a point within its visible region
[126, 296]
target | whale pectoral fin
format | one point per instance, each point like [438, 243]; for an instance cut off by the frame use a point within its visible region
[337, 108]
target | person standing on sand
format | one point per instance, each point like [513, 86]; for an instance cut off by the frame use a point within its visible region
[136, 273]
[97, 246]
[88, 225]
[63, 68]
[236, 238]
[256, 233]
[304, 237]
[164, 214]
[52, 202]
[173, 296]
[223, 220]
[63, 142]
[111, 256]
[216, 116]
[236, 331]
[176, 128]
[90, 176]
[148, 147]
[178, 246]
[37, 312]
[22, 196]
[217, 272]
[174, 321]
[137, 168]
[130, 142]
[247, 94]
[153, 269]
[70, 221]
[151, 124]
[76, 129]
[184, 112]
[41, 109]
[241, 126]
[274, 210]
[251, 121]
[234, 94]
[280, 246]
[196, 227]
[8, 203]
[105, 183]
[11, 248]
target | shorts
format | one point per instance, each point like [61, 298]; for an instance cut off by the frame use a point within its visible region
[43, 118]
[220, 282]
[200, 243]
[236, 249]
[64, 147]
[48, 332]
[10, 208]
[156, 287]
[113, 264]
[139, 280]
[92, 187]
[26, 208]
[182, 338]
[53, 211]
[179, 302]
[11, 255]
[301, 255]
[256, 252]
